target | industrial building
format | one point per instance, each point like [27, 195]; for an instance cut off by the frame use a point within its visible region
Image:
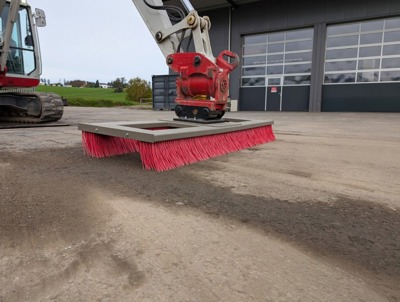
[311, 55]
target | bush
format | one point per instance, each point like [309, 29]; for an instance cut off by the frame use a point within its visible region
[119, 84]
[137, 89]
[97, 103]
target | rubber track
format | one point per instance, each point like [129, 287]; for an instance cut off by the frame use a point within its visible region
[52, 109]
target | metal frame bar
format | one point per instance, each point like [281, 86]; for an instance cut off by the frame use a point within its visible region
[12, 18]
[177, 130]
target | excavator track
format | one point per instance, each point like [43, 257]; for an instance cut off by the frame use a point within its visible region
[51, 109]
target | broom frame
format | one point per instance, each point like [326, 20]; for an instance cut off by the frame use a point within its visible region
[165, 130]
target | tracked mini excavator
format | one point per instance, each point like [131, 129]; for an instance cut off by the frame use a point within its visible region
[20, 67]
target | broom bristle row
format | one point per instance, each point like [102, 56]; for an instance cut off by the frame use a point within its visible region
[165, 155]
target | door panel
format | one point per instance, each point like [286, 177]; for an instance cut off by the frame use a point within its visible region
[274, 98]
[252, 99]
[295, 98]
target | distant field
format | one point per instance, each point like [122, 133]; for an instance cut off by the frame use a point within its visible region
[93, 97]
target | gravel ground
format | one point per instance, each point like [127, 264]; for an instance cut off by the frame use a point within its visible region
[313, 216]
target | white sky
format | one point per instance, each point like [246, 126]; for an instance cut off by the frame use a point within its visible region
[96, 40]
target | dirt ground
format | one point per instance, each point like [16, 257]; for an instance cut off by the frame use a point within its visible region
[313, 216]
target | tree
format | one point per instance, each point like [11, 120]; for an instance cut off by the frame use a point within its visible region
[137, 89]
[90, 85]
[97, 84]
[77, 83]
[119, 84]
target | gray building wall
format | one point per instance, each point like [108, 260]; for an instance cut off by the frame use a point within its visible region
[263, 16]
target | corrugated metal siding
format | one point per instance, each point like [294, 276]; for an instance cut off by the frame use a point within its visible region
[164, 92]
[202, 5]
[362, 98]
[260, 16]
[219, 29]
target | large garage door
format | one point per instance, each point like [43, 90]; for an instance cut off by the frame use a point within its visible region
[362, 67]
[280, 62]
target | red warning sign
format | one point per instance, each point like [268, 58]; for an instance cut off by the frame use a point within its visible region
[274, 89]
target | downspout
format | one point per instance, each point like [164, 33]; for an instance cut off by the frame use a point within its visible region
[229, 28]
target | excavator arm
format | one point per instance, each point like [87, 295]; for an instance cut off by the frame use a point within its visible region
[158, 18]
[202, 80]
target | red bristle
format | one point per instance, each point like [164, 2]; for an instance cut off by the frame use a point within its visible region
[97, 145]
[166, 155]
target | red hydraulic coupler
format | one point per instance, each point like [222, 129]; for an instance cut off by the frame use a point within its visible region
[202, 86]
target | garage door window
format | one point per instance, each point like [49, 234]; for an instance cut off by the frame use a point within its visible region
[286, 54]
[363, 52]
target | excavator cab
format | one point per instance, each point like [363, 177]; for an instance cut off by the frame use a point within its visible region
[20, 66]
[23, 58]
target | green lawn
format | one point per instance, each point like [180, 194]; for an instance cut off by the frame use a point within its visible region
[93, 97]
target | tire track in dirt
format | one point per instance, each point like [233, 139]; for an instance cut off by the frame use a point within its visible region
[97, 257]
[360, 236]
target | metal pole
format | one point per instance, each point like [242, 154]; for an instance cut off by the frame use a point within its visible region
[187, 5]
[11, 19]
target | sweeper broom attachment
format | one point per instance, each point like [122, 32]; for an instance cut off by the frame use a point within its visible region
[165, 145]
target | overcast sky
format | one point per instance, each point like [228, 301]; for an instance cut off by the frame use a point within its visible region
[96, 40]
